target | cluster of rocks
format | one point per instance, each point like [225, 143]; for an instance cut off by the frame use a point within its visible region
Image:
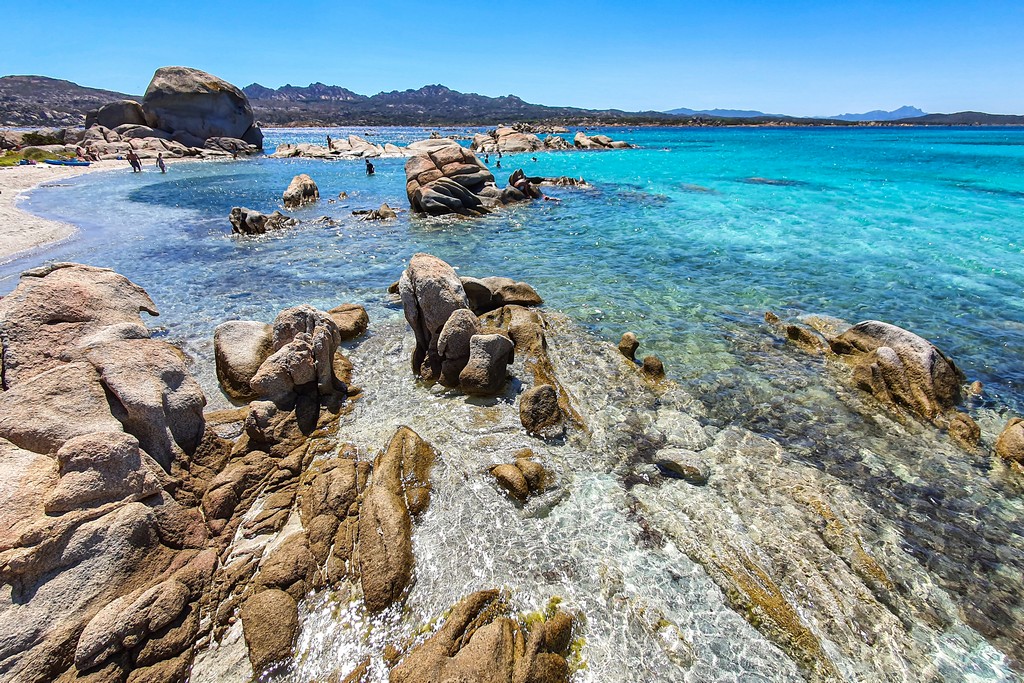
[522, 478]
[525, 139]
[651, 365]
[468, 331]
[583, 141]
[184, 113]
[355, 147]
[248, 222]
[905, 372]
[452, 179]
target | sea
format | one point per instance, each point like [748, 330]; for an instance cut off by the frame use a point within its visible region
[687, 241]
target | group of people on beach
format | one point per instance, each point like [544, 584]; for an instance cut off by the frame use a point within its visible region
[136, 162]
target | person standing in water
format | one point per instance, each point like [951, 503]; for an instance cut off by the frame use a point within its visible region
[160, 162]
[369, 168]
[134, 160]
[328, 143]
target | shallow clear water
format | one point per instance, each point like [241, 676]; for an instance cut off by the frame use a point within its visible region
[686, 241]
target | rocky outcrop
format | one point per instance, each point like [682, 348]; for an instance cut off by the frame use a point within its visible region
[382, 213]
[99, 555]
[507, 140]
[490, 293]
[583, 141]
[899, 367]
[182, 100]
[431, 291]
[1010, 444]
[248, 222]
[300, 191]
[450, 179]
[304, 343]
[479, 642]
[239, 348]
[116, 114]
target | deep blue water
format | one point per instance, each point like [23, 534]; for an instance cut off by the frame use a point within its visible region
[685, 241]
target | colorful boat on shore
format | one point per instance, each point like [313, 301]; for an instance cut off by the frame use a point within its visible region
[65, 162]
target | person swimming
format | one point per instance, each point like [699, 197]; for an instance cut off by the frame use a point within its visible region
[369, 168]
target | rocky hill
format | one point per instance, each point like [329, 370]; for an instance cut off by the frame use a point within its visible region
[42, 101]
[319, 104]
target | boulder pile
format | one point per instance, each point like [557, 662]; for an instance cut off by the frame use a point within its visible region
[583, 141]
[185, 112]
[451, 179]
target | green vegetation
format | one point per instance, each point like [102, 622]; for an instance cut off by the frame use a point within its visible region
[40, 138]
[12, 158]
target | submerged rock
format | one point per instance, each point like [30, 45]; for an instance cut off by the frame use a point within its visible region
[479, 643]
[300, 191]
[539, 412]
[898, 367]
[1010, 444]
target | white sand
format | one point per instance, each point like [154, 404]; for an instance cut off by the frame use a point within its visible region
[20, 231]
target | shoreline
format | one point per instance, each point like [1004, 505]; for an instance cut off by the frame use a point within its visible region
[23, 232]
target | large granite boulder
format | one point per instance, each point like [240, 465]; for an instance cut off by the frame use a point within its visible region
[489, 357]
[450, 179]
[301, 190]
[431, 291]
[899, 367]
[239, 348]
[193, 102]
[116, 114]
[56, 308]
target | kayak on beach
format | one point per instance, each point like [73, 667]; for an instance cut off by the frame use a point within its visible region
[65, 162]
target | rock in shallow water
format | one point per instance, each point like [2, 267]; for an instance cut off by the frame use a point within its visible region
[300, 191]
[239, 348]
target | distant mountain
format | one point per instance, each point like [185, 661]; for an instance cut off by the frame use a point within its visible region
[719, 113]
[880, 115]
[966, 118]
[314, 92]
[42, 101]
[325, 105]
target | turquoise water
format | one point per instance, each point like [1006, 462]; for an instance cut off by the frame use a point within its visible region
[686, 241]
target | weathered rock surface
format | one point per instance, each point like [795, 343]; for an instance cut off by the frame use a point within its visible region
[270, 620]
[100, 468]
[300, 191]
[247, 221]
[489, 358]
[901, 368]
[55, 308]
[1010, 444]
[351, 319]
[240, 347]
[400, 491]
[479, 643]
[181, 100]
[488, 293]
[450, 179]
[431, 291]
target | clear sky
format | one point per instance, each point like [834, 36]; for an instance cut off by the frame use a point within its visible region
[798, 57]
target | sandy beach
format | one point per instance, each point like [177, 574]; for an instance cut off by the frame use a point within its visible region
[20, 231]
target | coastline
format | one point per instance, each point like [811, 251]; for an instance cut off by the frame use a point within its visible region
[22, 232]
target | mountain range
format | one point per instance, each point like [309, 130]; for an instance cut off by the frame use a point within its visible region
[876, 115]
[39, 101]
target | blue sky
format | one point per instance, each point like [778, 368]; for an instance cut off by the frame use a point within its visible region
[794, 57]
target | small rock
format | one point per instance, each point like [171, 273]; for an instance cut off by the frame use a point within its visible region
[558, 633]
[301, 190]
[964, 430]
[628, 345]
[540, 413]
[653, 367]
[351, 320]
[512, 480]
[1010, 444]
[489, 357]
[686, 464]
[533, 472]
